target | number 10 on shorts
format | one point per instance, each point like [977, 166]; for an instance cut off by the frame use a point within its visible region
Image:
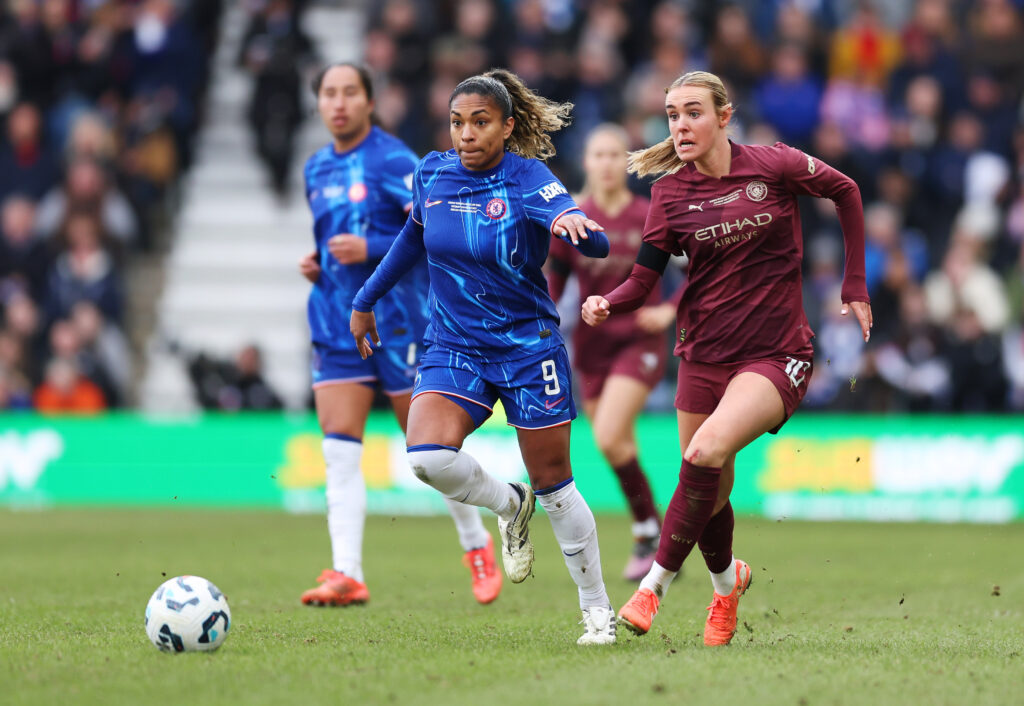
[550, 376]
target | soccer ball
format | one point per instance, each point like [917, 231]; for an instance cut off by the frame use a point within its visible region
[187, 614]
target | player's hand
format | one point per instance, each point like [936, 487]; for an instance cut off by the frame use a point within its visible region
[862, 310]
[595, 310]
[347, 249]
[361, 324]
[309, 267]
[655, 319]
[574, 225]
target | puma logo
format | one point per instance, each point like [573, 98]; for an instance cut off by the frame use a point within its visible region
[697, 208]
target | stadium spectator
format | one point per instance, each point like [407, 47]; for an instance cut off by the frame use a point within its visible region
[734, 52]
[276, 51]
[23, 322]
[24, 256]
[66, 391]
[788, 97]
[87, 187]
[912, 362]
[966, 298]
[617, 368]
[494, 329]
[864, 50]
[27, 164]
[733, 194]
[84, 271]
[104, 353]
[233, 385]
[355, 222]
[15, 393]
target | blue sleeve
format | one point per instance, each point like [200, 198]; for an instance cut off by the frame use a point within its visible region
[546, 200]
[544, 196]
[596, 245]
[396, 182]
[404, 254]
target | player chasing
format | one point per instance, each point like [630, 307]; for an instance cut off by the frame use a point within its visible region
[359, 190]
[744, 341]
[619, 365]
[484, 213]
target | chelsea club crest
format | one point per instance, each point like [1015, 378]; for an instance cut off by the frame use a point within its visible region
[495, 209]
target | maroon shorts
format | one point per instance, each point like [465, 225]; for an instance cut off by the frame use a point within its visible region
[701, 385]
[644, 360]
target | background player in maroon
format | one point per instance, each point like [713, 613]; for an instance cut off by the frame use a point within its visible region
[743, 337]
[619, 365]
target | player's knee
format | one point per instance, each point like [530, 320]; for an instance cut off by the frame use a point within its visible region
[609, 441]
[431, 465]
[706, 448]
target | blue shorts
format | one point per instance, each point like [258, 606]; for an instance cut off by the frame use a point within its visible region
[536, 392]
[394, 367]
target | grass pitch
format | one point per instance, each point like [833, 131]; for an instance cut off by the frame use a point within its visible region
[837, 614]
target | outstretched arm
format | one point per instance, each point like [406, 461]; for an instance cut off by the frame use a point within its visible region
[631, 294]
[585, 234]
[404, 254]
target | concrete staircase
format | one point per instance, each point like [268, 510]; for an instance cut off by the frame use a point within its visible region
[231, 276]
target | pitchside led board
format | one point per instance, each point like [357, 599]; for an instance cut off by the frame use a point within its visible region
[946, 469]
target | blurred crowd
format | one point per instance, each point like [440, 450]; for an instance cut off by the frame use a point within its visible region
[99, 104]
[918, 100]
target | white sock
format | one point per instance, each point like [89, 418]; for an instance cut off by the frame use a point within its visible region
[346, 504]
[658, 579]
[469, 525]
[459, 477]
[647, 529]
[725, 581]
[576, 532]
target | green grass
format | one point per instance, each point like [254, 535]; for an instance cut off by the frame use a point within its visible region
[837, 614]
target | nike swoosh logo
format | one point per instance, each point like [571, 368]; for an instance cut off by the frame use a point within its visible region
[574, 553]
[430, 203]
[548, 404]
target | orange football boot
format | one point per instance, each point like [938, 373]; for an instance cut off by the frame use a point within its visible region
[721, 624]
[486, 577]
[336, 589]
[639, 611]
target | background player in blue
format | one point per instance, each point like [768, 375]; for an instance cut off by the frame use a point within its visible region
[359, 189]
[485, 217]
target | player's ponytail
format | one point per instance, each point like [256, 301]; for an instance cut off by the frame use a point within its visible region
[662, 158]
[535, 116]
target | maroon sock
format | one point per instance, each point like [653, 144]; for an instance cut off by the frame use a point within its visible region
[687, 514]
[637, 490]
[716, 540]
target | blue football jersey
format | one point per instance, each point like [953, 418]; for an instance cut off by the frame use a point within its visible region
[366, 191]
[487, 235]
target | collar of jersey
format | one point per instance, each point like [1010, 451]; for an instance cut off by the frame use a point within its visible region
[737, 151]
[479, 175]
[366, 140]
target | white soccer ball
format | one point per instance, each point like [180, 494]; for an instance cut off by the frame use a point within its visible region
[187, 614]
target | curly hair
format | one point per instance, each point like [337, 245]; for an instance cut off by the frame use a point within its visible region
[535, 116]
[662, 158]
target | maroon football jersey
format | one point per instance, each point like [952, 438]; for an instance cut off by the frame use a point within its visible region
[597, 276]
[742, 236]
